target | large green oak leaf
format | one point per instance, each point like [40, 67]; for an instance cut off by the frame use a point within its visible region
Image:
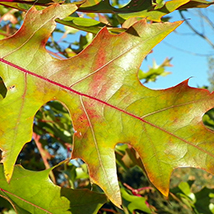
[107, 103]
[33, 192]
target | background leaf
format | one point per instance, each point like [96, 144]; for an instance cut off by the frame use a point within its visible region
[33, 192]
[134, 203]
[145, 8]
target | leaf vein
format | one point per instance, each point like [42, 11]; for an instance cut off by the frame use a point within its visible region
[95, 142]
[22, 199]
[100, 101]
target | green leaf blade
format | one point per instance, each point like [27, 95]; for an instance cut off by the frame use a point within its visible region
[33, 192]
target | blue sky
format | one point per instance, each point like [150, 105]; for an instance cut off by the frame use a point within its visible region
[185, 65]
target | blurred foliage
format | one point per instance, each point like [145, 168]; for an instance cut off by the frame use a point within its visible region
[154, 72]
[211, 73]
[191, 190]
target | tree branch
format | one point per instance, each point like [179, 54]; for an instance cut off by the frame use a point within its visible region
[195, 31]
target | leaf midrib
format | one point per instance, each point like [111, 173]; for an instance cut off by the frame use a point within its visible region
[101, 101]
[22, 199]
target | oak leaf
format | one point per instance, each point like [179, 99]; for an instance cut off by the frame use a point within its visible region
[107, 103]
[33, 192]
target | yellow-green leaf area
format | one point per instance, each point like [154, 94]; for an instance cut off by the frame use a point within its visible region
[34, 192]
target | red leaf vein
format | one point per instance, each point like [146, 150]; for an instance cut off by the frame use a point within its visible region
[10, 193]
[100, 101]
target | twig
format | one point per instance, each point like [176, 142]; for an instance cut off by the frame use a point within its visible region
[206, 18]
[55, 54]
[136, 191]
[109, 210]
[185, 51]
[44, 154]
[195, 31]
